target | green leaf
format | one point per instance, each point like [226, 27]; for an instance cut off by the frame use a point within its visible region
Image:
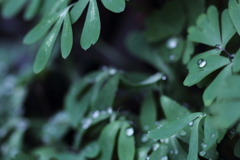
[228, 29]
[126, 143]
[234, 12]
[148, 113]
[173, 127]
[67, 37]
[32, 9]
[107, 94]
[149, 81]
[143, 152]
[225, 114]
[23, 156]
[193, 9]
[159, 153]
[210, 134]
[107, 140]
[91, 29]
[46, 48]
[41, 29]
[172, 110]
[91, 150]
[204, 64]
[12, 8]
[217, 86]
[77, 10]
[237, 149]
[236, 62]
[207, 30]
[116, 6]
[188, 51]
[164, 23]
[177, 152]
[193, 145]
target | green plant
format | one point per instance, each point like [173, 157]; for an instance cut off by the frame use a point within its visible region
[130, 114]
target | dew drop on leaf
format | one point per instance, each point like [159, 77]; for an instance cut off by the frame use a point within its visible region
[147, 158]
[201, 63]
[86, 123]
[218, 47]
[164, 78]
[156, 146]
[112, 71]
[202, 153]
[213, 135]
[190, 123]
[129, 131]
[171, 57]
[146, 127]
[144, 138]
[172, 43]
[183, 133]
[96, 114]
[164, 158]
[109, 110]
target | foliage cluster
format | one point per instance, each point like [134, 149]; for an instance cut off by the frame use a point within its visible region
[120, 114]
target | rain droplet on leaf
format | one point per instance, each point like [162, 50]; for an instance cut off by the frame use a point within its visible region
[201, 63]
[164, 158]
[164, 78]
[172, 43]
[218, 47]
[171, 57]
[96, 114]
[202, 153]
[156, 146]
[129, 131]
[183, 133]
[190, 123]
[86, 123]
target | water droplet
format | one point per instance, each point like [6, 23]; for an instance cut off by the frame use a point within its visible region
[146, 127]
[172, 42]
[218, 47]
[112, 71]
[201, 63]
[183, 133]
[147, 158]
[86, 123]
[202, 153]
[204, 145]
[171, 152]
[156, 146]
[171, 57]
[164, 78]
[144, 138]
[231, 57]
[129, 131]
[166, 140]
[109, 110]
[213, 135]
[164, 158]
[96, 114]
[190, 123]
[103, 112]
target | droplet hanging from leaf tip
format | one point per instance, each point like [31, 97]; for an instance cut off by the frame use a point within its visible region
[201, 63]
[218, 47]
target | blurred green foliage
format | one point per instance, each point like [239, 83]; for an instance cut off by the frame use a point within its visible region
[114, 103]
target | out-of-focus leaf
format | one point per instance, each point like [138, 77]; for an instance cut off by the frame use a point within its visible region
[92, 25]
[107, 94]
[91, 150]
[23, 156]
[107, 140]
[193, 145]
[46, 48]
[12, 8]
[148, 113]
[164, 23]
[116, 6]
[234, 13]
[126, 142]
[159, 152]
[237, 149]
[172, 109]
[188, 51]
[173, 127]
[177, 152]
[32, 9]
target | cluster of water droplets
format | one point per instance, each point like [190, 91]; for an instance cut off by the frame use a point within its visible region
[111, 71]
